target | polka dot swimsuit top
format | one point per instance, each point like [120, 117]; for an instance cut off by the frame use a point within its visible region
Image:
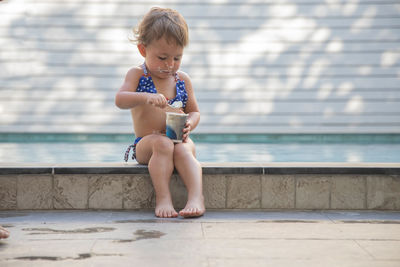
[146, 85]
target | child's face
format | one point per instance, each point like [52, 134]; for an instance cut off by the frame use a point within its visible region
[163, 58]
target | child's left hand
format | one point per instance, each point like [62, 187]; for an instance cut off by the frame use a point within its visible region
[186, 131]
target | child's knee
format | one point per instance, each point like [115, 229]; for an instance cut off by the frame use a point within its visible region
[163, 145]
[180, 152]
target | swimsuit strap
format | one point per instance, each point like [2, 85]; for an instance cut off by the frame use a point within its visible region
[144, 69]
[126, 156]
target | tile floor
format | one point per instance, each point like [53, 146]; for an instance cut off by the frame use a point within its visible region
[219, 238]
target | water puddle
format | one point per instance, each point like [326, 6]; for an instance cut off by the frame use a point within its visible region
[143, 234]
[12, 214]
[52, 258]
[89, 230]
[7, 225]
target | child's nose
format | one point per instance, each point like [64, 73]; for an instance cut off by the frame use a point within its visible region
[170, 63]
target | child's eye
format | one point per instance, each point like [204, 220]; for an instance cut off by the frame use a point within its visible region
[162, 58]
[177, 58]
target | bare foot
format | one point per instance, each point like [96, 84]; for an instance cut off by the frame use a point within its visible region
[165, 209]
[194, 208]
[4, 233]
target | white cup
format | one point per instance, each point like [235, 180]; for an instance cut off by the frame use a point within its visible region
[175, 124]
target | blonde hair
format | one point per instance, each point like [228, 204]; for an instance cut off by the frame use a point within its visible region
[162, 22]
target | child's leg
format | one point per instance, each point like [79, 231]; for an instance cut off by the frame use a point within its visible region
[190, 171]
[157, 151]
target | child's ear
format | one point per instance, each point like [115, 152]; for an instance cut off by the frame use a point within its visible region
[142, 49]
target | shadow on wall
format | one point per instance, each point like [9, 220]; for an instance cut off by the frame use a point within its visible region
[301, 65]
[258, 67]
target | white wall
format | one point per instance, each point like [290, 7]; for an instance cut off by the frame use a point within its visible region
[262, 66]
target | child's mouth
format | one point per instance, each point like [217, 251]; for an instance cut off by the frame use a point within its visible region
[164, 71]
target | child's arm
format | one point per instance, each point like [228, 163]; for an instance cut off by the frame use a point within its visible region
[127, 97]
[191, 108]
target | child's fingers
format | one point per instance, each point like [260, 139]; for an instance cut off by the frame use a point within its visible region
[187, 126]
[186, 129]
[186, 132]
[162, 101]
[157, 100]
[184, 137]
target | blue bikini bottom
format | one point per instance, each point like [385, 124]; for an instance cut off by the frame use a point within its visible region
[133, 147]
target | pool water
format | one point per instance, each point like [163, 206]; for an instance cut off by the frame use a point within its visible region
[71, 152]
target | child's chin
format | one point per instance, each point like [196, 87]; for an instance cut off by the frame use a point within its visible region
[164, 74]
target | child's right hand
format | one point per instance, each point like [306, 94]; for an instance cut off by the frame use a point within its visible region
[157, 100]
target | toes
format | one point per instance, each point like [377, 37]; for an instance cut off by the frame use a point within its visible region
[157, 213]
[191, 212]
[183, 213]
[186, 212]
[172, 214]
[166, 213]
[195, 212]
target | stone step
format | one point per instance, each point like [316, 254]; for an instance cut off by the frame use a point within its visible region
[302, 186]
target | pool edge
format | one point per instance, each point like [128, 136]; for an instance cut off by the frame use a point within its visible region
[127, 186]
[208, 168]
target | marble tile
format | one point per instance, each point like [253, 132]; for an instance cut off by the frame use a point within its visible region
[71, 191]
[382, 249]
[8, 192]
[348, 192]
[138, 192]
[178, 192]
[383, 192]
[214, 190]
[313, 191]
[105, 192]
[243, 191]
[34, 192]
[321, 249]
[278, 191]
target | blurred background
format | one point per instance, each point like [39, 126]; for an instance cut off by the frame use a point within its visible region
[258, 66]
[268, 67]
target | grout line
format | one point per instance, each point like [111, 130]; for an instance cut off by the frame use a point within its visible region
[52, 189]
[330, 192]
[88, 192]
[202, 230]
[365, 250]
[16, 193]
[263, 177]
[226, 191]
[365, 192]
[261, 191]
[122, 180]
[295, 191]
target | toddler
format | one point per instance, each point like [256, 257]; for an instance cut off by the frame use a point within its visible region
[149, 91]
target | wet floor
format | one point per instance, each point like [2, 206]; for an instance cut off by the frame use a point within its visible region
[220, 238]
